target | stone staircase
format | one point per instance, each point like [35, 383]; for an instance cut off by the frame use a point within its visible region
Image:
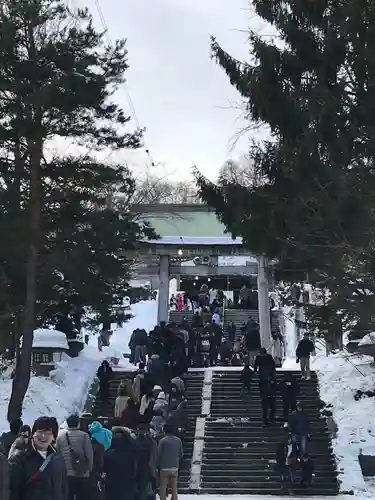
[193, 383]
[178, 316]
[241, 316]
[239, 451]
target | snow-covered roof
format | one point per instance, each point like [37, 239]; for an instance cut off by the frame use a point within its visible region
[54, 339]
[197, 240]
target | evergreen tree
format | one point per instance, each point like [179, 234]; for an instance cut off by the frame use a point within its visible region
[314, 92]
[56, 79]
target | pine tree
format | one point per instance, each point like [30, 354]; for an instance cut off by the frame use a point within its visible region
[313, 90]
[56, 78]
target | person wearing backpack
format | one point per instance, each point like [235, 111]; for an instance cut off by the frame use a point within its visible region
[76, 448]
[38, 472]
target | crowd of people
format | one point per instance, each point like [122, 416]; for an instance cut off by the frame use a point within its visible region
[138, 452]
[129, 459]
[245, 298]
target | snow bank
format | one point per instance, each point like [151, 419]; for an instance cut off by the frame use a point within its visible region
[62, 394]
[340, 377]
[367, 339]
[144, 316]
[65, 392]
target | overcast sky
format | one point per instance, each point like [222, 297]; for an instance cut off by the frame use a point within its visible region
[180, 94]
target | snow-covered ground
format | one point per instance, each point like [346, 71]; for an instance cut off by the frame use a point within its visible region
[66, 391]
[340, 376]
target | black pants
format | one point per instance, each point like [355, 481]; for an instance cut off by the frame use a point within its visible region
[78, 488]
[268, 408]
[246, 387]
[289, 405]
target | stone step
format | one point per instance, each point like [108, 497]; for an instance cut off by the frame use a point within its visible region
[214, 466]
[212, 490]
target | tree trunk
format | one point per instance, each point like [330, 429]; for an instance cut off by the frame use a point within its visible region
[23, 369]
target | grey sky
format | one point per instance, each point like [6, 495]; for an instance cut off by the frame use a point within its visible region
[181, 96]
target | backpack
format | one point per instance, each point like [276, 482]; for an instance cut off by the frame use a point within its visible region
[80, 465]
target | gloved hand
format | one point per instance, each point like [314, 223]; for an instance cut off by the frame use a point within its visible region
[297, 360]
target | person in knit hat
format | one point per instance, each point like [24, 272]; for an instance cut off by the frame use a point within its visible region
[38, 472]
[100, 434]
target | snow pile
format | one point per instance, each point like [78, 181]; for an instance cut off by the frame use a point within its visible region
[367, 339]
[65, 392]
[144, 316]
[44, 337]
[340, 377]
[62, 394]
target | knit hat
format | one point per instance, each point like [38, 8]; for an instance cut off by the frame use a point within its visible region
[46, 424]
[157, 388]
[101, 434]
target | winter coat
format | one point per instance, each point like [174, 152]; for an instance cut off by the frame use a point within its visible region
[179, 419]
[120, 405]
[269, 389]
[156, 367]
[232, 332]
[307, 469]
[284, 451]
[299, 423]
[139, 337]
[100, 434]
[196, 321]
[51, 484]
[120, 467]
[4, 477]
[305, 348]
[252, 337]
[216, 319]
[157, 423]
[161, 404]
[265, 364]
[179, 384]
[80, 442]
[130, 417]
[246, 375]
[146, 402]
[170, 452]
[289, 390]
[20, 444]
[137, 388]
[6, 441]
[146, 453]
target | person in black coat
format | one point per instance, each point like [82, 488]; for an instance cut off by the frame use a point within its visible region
[146, 474]
[268, 391]
[231, 332]
[289, 391]
[265, 366]
[252, 340]
[27, 481]
[307, 471]
[246, 377]
[304, 350]
[120, 467]
[104, 375]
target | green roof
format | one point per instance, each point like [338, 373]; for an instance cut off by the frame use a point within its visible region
[186, 223]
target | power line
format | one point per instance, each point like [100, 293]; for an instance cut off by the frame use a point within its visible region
[124, 86]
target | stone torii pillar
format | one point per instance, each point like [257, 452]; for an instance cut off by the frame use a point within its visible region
[264, 304]
[163, 296]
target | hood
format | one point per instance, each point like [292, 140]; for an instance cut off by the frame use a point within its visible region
[101, 434]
